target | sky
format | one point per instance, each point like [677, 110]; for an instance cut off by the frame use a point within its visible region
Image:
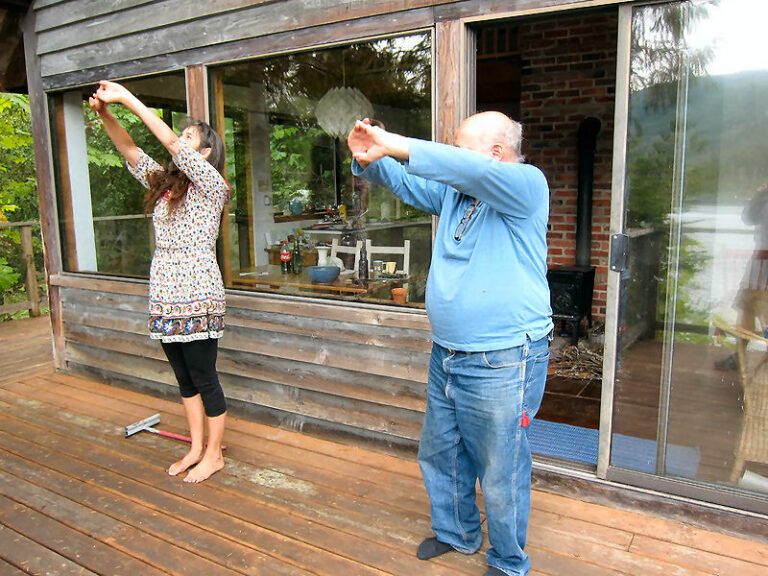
[736, 30]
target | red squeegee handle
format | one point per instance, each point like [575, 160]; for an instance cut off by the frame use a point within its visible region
[174, 436]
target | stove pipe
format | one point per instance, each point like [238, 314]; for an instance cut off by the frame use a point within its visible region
[587, 140]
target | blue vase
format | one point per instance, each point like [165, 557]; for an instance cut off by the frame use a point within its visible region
[296, 206]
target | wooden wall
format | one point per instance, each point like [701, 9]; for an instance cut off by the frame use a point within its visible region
[299, 363]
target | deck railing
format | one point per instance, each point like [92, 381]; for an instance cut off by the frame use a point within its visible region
[33, 302]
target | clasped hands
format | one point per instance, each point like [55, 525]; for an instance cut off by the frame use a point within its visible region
[106, 93]
[369, 143]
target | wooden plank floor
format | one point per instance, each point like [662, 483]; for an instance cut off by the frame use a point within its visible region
[76, 497]
[25, 347]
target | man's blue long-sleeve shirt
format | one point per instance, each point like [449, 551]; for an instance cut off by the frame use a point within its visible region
[489, 289]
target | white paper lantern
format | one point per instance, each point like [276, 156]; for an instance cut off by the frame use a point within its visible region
[338, 109]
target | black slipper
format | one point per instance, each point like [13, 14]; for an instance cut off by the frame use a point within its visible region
[432, 547]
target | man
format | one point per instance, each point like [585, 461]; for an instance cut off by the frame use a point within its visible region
[488, 305]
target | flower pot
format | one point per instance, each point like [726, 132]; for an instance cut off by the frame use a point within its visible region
[399, 295]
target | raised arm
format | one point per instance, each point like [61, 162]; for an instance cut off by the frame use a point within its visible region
[109, 92]
[376, 152]
[420, 193]
[511, 188]
[119, 136]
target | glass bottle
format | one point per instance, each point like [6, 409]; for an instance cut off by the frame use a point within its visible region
[296, 261]
[285, 257]
[362, 269]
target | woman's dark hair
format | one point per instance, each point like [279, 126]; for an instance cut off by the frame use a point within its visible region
[173, 180]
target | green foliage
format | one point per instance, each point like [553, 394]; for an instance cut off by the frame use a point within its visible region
[18, 185]
[113, 190]
[122, 246]
[8, 277]
[393, 73]
[18, 195]
[301, 159]
[693, 259]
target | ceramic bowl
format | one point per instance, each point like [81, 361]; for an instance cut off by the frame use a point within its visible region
[322, 274]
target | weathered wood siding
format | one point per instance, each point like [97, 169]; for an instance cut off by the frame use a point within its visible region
[79, 41]
[299, 363]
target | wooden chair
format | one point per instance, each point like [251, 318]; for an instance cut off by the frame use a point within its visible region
[337, 249]
[404, 251]
[753, 376]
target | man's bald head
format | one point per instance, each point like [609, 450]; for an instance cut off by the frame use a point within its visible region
[491, 134]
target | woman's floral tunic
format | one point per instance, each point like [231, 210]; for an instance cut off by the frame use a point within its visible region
[186, 293]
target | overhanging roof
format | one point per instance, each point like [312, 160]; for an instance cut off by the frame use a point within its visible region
[13, 73]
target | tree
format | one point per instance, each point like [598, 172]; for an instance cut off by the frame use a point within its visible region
[18, 185]
[18, 193]
[122, 246]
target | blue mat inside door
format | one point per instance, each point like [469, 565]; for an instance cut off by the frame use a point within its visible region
[580, 444]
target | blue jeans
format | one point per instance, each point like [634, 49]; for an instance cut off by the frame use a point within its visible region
[477, 403]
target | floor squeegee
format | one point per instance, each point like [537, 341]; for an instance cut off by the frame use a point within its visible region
[147, 426]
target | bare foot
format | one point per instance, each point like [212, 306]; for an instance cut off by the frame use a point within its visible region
[206, 468]
[192, 458]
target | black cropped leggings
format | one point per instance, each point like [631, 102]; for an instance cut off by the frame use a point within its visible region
[194, 364]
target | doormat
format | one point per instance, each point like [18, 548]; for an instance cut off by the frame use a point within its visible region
[580, 444]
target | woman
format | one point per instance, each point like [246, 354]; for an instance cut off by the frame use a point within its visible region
[186, 293]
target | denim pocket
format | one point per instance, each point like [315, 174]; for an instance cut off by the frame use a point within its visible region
[535, 379]
[505, 358]
[537, 367]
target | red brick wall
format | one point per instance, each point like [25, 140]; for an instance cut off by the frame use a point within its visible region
[568, 74]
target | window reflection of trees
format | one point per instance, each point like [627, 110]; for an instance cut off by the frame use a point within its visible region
[664, 70]
[122, 232]
[659, 45]
[394, 73]
[282, 153]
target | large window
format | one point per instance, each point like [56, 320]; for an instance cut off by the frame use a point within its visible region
[285, 121]
[101, 213]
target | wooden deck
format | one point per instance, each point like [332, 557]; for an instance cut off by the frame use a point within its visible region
[76, 497]
[25, 347]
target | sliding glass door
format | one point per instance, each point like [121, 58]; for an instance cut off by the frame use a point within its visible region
[688, 286]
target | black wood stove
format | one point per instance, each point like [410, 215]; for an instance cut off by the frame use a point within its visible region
[571, 287]
[570, 294]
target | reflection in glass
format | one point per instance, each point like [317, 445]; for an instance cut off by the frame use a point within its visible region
[691, 397]
[286, 119]
[100, 203]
